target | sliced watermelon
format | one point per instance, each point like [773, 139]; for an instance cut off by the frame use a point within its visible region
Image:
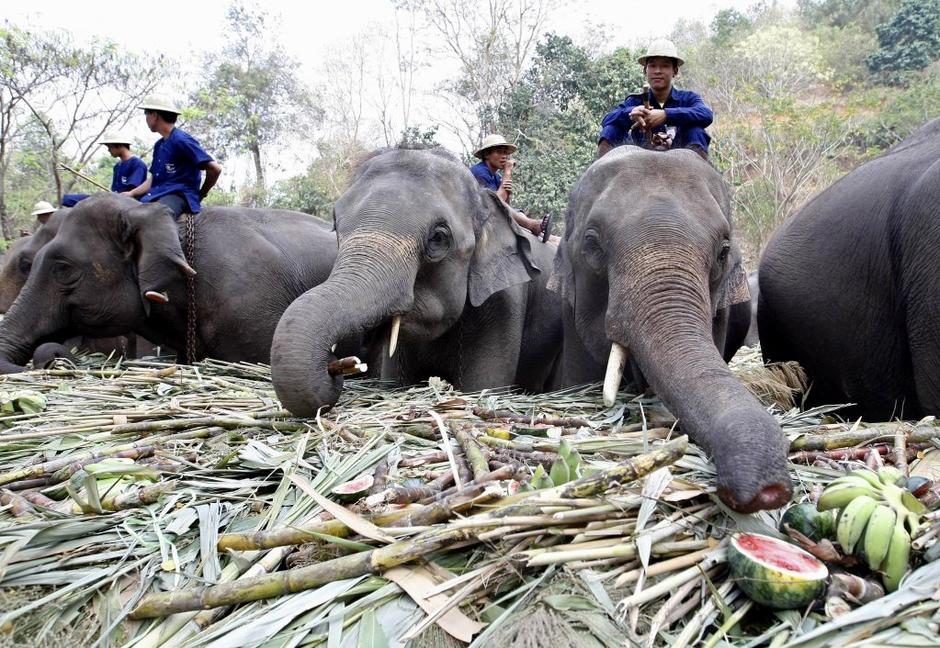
[775, 573]
[354, 490]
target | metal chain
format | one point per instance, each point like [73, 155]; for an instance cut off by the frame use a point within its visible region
[190, 230]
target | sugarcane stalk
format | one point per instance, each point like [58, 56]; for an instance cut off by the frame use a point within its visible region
[663, 567]
[472, 453]
[70, 469]
[19, 505]
[670, 583]
[139, 497]
[508, 415]
[506, 472]
[258, 588]
[920, 434]
[216, 421]
[900, 451]
[628, 470]
[729, 623]
[38, 499]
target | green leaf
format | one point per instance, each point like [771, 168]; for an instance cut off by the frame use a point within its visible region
[562, 602]
[559, 473]
[371, 634]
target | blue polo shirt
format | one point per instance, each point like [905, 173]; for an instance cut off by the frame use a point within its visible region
[128, 174]
[175, 168]
[685, 111]
[486, 178]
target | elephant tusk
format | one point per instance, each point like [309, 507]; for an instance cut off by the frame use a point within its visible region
[393, 337]
[615, 364]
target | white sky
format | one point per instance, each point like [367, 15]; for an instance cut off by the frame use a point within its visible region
[314, 30]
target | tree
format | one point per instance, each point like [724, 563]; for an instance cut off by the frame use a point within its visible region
[74, 93]
[492, 42]
[252, 95]
[910, 40]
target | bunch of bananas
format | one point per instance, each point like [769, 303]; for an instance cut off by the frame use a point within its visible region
[877, 520]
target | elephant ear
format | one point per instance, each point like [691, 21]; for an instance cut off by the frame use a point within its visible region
[153, 237]
[503, 254]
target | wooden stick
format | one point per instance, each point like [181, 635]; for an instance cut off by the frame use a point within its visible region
[81, 175]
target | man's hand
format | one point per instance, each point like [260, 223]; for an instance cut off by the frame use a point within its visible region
[639, 116]
[655, 118]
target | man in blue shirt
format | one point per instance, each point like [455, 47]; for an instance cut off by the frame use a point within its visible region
[674, 118]
[494, 155]
[175, 172]
[129, 172]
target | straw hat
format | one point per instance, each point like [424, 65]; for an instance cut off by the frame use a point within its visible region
[661, 47]
[115, 138]
[155, 102]
[42, 207]
[491, 141]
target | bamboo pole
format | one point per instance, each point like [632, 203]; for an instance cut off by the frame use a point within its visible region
[884, 431]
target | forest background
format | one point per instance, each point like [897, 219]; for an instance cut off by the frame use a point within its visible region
[802, 94]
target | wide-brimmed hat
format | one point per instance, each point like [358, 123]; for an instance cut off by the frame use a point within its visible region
[491, 141]
[155, 102]
[42, 207]
[115, 138]
[661, 47]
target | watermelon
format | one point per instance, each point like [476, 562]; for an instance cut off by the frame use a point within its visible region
[809, 521]
[775, 573]
[354, 490]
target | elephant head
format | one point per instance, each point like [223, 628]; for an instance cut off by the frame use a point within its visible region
[18, 261]
[86, 279]
[419, 241]
[647, 269]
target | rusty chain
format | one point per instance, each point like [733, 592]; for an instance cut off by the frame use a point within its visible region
[190, 250]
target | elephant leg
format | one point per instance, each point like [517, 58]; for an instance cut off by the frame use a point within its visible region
[487, 341]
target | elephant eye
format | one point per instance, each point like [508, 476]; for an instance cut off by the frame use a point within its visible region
[25, 265]
[64, 272]
[438, 242]
[592, 250]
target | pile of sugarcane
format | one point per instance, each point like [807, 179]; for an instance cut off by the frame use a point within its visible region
[150, 504]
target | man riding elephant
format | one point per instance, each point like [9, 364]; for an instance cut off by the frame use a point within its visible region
[663, 117]
[175, 173]
[252, 264]
[129, 172]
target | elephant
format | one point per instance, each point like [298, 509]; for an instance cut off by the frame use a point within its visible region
[435, 265]
[850, 286]
[649, 276]
[18, 260]
[251, 264]
[753, 337]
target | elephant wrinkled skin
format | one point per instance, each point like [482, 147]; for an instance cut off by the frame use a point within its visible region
[421, 244]
[850, 286]
[647, 265]
[251, 265]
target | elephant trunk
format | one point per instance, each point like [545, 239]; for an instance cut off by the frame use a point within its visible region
[662, 313]
[23, 327]
[371, 282]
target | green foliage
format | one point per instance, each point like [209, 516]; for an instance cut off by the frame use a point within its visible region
[556, 110]
[910, 40]
[864, 15]
[729, 25]
[252, 95]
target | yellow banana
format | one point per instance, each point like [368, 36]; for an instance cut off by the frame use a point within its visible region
[878, 535]
[852, 522]
[863, 473]
[896, 561]
[839, 496]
